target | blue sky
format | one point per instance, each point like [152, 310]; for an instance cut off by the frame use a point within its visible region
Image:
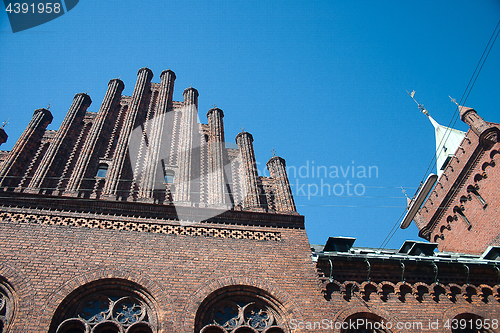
[322, 82]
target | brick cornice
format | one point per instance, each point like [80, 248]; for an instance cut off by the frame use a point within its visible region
[47, 204]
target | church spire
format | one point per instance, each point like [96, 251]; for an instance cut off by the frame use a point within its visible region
[447, 139]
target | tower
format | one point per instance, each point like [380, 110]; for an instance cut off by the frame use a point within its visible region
[245, 146]
[460, 212]
[96, 138]
[283, 193]
[24, 150]
[217, 180]
[51, 166]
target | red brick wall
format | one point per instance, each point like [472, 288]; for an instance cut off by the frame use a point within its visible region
[48, 262]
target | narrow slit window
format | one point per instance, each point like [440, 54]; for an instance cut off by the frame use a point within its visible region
[169, 177]
[474, 191]
[103, 169]
[460, 212]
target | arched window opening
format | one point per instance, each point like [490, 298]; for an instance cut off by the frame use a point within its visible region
[244, 330]
[365, 323]
[470, 323]
[71, 326]
[274, 330]
[102, 170]
[109, 306]
[106, 328]
[139, 328]
[169, 177]
[251, 311]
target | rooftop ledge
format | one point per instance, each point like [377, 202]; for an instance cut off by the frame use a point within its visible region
[49, 204]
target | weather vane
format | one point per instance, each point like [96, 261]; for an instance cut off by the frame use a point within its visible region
[274, 152]
[49, 106]
[404, 191]
[214, 106]
[420, 106]
[5, 123]
[453, 100]
[242, 128]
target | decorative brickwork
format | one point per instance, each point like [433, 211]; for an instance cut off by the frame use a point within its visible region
[245, 145]
[53, 160]
[121, 168]
[159, 228]
[95, 141]
[407, 292]
[24, 150]
[218, 180]
[283, 197]
[141, 142]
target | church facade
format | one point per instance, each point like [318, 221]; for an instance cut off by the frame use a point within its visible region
[139, 219]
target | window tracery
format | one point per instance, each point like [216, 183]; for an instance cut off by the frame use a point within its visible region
[241, 316]
[108, 314]
[6, 307]
[106, 306]
[241, 311]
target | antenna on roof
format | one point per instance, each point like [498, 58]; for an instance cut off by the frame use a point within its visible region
[5, 123]
[420, 106]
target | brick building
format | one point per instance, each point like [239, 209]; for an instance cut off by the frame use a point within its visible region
[139, 219]
[462, 213]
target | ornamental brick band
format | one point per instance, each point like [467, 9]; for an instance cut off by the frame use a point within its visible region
[140, 226]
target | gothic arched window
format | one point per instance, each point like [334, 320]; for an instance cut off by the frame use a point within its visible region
[239, 312]
[108, 308]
